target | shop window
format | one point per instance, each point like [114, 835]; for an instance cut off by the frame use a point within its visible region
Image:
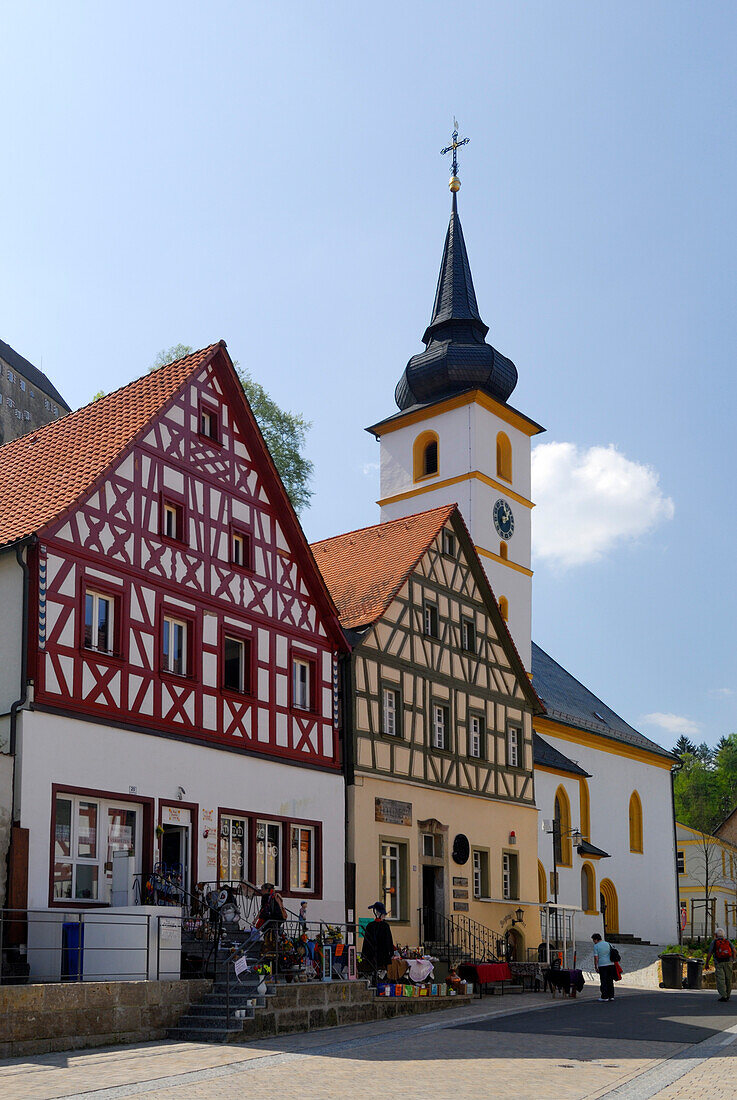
[503, 456]
[393, 879]
[172, 520]
[514, 747]
[510, 876]
[174, 646]
[425, 456]
[240, 549]
[635, 822]
[439, 726]
[302, 858]
[390, 711]
[303, 688]
[99, 621]
[87, 832]
[233, 865]
[449, 543]
[468, 635]
[475, 735]
[430, 614]
[268, 853]
[209, 423]
[481, 887]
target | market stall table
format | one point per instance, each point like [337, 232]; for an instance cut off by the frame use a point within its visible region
[486, 973]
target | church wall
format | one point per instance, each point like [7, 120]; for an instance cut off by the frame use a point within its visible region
[645, 882]
[453, 429]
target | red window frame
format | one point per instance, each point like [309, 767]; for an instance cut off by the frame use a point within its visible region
[249, 660]
[189, 618]
[205, 406]
[235, 528]
[251, 817]
[309, 659]
[177, 501]
[92, 583]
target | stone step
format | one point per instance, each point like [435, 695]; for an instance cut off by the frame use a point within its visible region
[204, 1034]
[218, 1010]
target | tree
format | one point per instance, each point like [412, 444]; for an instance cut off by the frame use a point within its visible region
[284, 432]
[684, 746]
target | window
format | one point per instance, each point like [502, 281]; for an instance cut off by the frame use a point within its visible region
[393, 878]
[390, 711]
[504, 607]
[514, 747]
[18, 414]
[542, 884]
[175, 646]
[431, 620]
[439, 726]
[301, 684]
[268, 852]
[475, 735]
[233, 866]
[47, 403]
[480, 874]
[87, 832]
[56, 410]
[588, 893]
[562, 825]
[301, 867]
[99, 622]
[510, 878]
[209, 423]
[22, 385]
[236, 664]
[503, 550]
[240, 549]
[432, 845]
[468, 635]
[425, 456]
[635, 822]
[11, 403]
[27, 416]
[449, 543]
[503, 456]
[11, 376]
[172, 521]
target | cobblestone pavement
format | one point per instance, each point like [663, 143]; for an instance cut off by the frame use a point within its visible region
[671, 1046]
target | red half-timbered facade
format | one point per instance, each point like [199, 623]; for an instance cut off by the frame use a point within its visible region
[172, 595]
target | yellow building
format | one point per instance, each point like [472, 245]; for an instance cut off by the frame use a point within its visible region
[441, 817]
[707, 882]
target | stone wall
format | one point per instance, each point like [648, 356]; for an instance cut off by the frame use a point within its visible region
[36, 1019]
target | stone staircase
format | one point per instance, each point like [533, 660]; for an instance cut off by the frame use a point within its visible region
[300, 1006]
[627, 937]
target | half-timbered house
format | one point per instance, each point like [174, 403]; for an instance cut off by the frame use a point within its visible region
[440, 794]
[169, 653]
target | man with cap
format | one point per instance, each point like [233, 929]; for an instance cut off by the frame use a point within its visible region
[378, 944]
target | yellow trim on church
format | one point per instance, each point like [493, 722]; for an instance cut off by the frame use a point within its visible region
[504, 561]
[454, 481]
[595, 741]
[478, 397]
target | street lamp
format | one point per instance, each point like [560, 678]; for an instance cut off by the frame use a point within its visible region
[553, 828]
[518, 917]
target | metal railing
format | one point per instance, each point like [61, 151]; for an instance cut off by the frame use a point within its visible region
[459, 939]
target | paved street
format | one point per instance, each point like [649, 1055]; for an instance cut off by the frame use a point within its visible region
[645, 1044]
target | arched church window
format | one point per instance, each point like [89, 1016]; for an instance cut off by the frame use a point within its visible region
[425, 455]
[562, 839]
[503, 456]
[635, 823]
[504, 607]
[588, 891]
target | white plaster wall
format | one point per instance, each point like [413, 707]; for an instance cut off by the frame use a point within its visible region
[645, 883]
[454, 442]
[56, 749]
[11, 627]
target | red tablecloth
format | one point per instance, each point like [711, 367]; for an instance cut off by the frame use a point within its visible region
[491, 972]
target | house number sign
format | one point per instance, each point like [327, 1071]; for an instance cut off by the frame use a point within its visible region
[392, 812]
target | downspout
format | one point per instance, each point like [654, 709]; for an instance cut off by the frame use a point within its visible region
[19, 703]
[675, 851]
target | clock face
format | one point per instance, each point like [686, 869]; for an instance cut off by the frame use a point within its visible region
[503, 519]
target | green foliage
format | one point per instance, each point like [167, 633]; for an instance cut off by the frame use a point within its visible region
[706, 783]
[98, 395]
[683, 746]
[285, 433]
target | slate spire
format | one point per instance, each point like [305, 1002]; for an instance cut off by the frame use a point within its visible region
[456, 355]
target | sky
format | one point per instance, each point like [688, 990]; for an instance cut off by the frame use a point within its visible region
[270, 175]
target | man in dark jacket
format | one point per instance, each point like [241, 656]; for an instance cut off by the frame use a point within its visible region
[378, 944]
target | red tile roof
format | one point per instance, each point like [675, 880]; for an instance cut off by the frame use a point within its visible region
[365, 569]
[42, 474]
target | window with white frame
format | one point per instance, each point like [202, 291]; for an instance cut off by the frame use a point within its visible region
[392, 877]
[11, 376]
[209, 423]
[475, 735]
[439, 726]
[87, 831]
[468, 635]
[172, 522]
[431, 620]
[432, 845]
[681, 863]
[240, 549]
[302, 858]
[301, 684]
[268, 852]
[233, 865]
[175, 646]
[510, 877]
[99, 621]
[22, 385]
[449, 543]
[236, 664]
[480, 873]
[390, 711]
[514, 738]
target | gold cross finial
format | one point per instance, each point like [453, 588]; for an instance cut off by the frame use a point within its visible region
[455, 144]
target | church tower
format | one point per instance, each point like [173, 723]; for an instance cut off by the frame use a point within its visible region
[457, 439]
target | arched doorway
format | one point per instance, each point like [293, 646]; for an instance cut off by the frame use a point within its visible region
[609, 906]
[514, 946]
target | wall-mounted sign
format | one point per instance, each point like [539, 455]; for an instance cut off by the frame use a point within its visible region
[175, 815]
[460, 906]
[460, 893]
[392, 812]
[460, 880]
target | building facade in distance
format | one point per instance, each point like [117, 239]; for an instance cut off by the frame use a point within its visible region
[27, 398]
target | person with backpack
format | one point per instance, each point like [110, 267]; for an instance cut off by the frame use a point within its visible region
[723, 953]
[605, 956]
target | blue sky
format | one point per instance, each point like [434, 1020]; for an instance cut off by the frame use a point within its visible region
[270, 174]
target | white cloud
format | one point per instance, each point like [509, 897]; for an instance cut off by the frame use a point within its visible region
[370, 468]
[673, 723]
[721, 693]
[588, 501]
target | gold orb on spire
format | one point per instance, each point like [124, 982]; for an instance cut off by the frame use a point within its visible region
[455, 184]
